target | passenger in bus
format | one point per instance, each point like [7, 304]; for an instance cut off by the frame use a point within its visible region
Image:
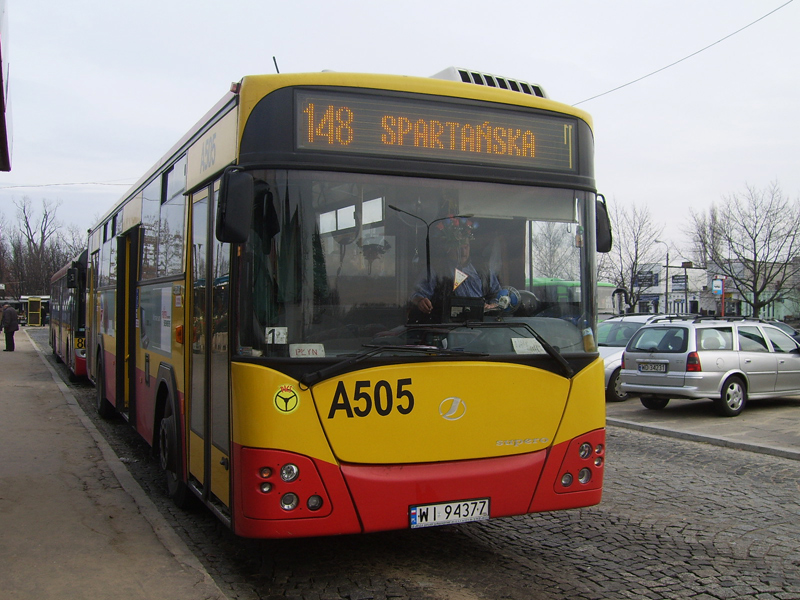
[9, 324]
[455, 275]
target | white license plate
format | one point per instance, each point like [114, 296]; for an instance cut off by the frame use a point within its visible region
[445, 513]
[652, 368]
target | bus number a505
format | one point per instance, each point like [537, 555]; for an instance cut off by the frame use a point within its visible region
[364, 398]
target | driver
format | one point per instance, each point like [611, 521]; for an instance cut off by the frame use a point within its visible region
[457, 275]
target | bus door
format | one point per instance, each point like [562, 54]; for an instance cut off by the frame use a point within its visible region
[209, 437]
[34, 311]
[92, 314]
[127, 244]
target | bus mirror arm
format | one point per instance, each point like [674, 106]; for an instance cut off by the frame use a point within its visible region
[235, 210]
[603, 222]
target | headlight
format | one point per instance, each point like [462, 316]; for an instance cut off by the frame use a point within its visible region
[289, 472]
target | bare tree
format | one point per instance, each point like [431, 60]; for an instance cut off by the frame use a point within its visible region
[751, 239]
[35, 249]
[74, 240]
[553, 246]
[4, 254]
[634, 250]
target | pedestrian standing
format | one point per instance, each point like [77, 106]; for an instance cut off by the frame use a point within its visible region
[9, 324]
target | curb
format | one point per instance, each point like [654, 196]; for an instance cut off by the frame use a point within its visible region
[166, 535]
[715, 441]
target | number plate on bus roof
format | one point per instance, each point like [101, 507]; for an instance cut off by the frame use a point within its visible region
[446, 513]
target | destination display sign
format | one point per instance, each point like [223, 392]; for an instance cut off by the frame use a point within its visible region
[440, 130]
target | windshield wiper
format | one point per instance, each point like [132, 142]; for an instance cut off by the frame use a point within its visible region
[433, 350]
[548, 347]
[310, 379]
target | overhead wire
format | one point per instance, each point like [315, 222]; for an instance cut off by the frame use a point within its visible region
[685, 57]
[39, 185]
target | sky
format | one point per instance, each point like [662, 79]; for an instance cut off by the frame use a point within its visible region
[99, 90]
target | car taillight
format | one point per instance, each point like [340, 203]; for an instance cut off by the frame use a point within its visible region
[693, 362]
[622, 360]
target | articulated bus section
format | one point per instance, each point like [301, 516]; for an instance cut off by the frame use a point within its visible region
[68, 315]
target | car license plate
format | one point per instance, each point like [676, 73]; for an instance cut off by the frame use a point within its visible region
[652, 368]
[445, 513]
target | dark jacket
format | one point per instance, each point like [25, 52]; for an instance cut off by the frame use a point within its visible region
[10, 321]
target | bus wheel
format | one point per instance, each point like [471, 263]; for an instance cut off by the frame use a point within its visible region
[169, 456]
[654, 403]
[733, 398]
[104, 408]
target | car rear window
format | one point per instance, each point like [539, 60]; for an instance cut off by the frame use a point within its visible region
[616, 334]
[660, 339]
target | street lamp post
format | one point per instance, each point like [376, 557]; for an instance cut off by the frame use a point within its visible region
[666, 278]
[686, 265]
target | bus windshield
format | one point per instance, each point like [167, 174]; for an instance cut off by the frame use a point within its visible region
[339, 264]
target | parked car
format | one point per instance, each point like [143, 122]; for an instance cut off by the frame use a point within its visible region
[612, 336]
[727, 360]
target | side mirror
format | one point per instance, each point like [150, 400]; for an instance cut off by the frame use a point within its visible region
[235, 209]
[603, 223]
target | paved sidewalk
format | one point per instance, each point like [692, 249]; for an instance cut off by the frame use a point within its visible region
[766, 426]
[74, 523]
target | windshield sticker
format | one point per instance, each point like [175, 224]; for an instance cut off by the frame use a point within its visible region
[306, 351]
[527, 346]
[286, 400]
[276, 335]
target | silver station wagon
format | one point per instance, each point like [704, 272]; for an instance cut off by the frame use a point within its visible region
[727, 360]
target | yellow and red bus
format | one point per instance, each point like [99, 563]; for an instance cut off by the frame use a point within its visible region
[68, 315]
[255, 305]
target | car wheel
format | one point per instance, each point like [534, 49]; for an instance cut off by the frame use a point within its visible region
[614, 391]
[733, 398]
[654, 403]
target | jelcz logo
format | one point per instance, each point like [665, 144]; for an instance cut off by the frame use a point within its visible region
[452, 408]
[286, 399]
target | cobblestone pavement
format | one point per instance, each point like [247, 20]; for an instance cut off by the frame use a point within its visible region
[679, 519]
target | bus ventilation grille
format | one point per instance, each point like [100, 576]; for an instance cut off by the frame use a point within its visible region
[495, 81]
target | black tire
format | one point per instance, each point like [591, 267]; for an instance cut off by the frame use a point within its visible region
[170, 458]
[614, 392]
[104, 408]
[733, 398]
[654, 403]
